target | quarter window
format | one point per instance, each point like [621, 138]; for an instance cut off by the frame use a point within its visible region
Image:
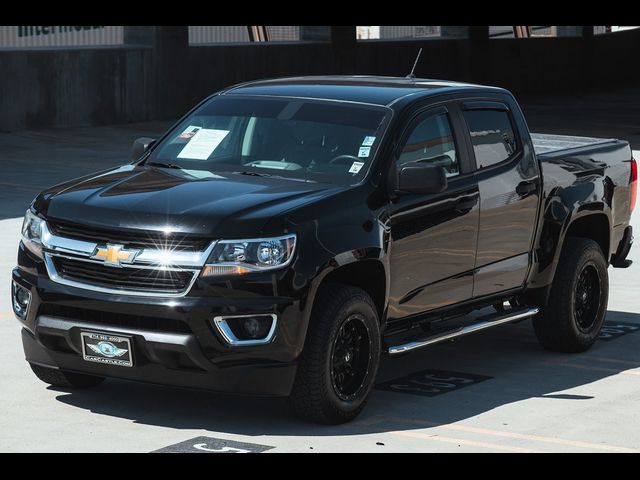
[431, 141]
[492, 136]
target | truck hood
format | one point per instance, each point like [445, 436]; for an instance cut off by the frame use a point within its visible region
[197, 202]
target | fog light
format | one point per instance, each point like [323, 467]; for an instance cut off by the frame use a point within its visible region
[251, 327]
[21, 300]
[246, 329]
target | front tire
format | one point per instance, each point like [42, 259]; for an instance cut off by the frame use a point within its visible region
[61, 378]
[340, 360]
[573, 317]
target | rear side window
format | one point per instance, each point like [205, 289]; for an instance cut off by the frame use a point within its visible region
[492, 135]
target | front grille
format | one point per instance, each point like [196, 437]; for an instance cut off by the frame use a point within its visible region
[116, 319]
[138, 240]
[126, 279]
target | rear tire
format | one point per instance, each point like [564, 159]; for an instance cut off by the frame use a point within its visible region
[574, 314]
[340, 360]
[60, 378]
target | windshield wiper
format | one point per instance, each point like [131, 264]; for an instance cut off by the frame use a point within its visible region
[163, 165]
[253, 174]
[269, 175]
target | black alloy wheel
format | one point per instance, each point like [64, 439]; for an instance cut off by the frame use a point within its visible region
[350, 358]
[572, 319]
[587, 297]
[337, 369]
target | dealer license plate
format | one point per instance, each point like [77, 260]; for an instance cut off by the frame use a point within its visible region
[106, 348]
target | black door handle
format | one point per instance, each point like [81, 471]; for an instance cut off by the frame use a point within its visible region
[466, 203]
[525, 188]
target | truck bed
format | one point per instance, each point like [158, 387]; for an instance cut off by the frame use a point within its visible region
[546, 144]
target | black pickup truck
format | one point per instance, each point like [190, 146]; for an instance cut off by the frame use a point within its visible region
[285, 234]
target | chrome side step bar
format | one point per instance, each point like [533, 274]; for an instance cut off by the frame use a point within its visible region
[475, 327]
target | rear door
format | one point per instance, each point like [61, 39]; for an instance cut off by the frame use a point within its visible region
[433, 236]
[509, 184]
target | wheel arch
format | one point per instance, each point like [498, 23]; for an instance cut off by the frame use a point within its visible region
[368, 275]
[594, 226]
[585, 223]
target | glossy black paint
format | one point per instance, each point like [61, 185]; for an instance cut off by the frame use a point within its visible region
[510, 198]
[492, 234]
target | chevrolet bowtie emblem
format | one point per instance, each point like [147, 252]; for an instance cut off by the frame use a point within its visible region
[115, 255]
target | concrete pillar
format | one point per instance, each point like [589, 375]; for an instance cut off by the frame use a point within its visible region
[343, 47]
[136, 36]
[165, 82]
[170, 70]
[454, 31]
[590, 68]
[478, 33]
[479, 54]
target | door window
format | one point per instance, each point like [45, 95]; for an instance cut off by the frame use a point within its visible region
[431, 141]
[492, 136]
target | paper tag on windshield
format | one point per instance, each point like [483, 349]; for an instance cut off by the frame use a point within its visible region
[356, 167]
[203, 143]
[364, 152]
[189, 132]
[368, 141]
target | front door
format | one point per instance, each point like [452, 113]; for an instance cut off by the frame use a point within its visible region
[433, 237]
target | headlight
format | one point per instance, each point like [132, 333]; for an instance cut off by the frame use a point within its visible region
[237, 257]
[32, 232]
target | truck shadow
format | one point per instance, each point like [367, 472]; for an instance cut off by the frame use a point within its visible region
[518, 369]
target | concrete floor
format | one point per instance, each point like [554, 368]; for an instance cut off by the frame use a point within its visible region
[532, 400]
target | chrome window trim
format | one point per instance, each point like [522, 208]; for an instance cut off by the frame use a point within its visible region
[228, 336]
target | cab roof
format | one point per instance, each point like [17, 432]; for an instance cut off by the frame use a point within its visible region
[383, 91]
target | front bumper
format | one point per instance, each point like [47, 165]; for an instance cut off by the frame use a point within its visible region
[153, 362]
[174, 340]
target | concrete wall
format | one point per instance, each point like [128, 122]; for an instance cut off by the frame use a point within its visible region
[162, 80]
[75, 87]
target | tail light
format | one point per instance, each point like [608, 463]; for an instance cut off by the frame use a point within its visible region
[633, 185]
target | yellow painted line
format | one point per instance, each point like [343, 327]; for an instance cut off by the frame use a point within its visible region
[512, 435]
[465, 442]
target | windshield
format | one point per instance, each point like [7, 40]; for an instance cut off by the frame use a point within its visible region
[300, 139]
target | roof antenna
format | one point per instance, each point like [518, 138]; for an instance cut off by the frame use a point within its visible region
[412, 75]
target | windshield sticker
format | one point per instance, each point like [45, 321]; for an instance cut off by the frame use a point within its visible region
[368, 141]
[189, 132]
[202, 144]
[356, 167]
[364, 152]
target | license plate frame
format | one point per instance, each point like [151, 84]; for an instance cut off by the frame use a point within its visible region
[107, 348]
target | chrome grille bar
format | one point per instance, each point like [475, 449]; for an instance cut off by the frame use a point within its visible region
[148, 259]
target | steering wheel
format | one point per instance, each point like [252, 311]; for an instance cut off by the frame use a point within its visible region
[344, 159]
